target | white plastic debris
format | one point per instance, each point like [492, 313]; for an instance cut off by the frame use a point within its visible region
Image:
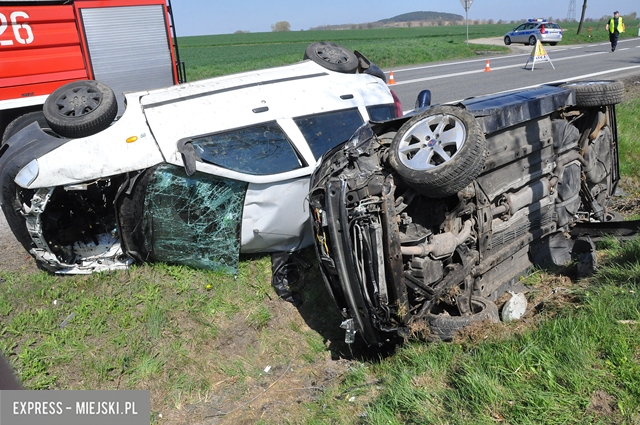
[267, 369]
[515, 307]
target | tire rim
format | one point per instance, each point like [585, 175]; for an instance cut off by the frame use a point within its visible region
[78, 101]
[332, 54]
[432, 142]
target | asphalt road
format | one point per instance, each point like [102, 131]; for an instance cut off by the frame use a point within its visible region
[457, 80]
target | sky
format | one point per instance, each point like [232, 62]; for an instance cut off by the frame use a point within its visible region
[205, 17]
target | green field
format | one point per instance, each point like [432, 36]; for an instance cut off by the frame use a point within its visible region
[209, 56]
[220, 349]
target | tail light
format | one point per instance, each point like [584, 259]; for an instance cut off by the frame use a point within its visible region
[542, 30]
[398, 104]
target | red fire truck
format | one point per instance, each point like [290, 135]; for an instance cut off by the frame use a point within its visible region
[127, 44]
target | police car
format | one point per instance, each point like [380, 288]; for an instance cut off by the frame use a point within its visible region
[533, 30]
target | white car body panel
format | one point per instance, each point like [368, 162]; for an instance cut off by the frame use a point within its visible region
[276, 217]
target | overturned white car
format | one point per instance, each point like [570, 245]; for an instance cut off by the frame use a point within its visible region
[191, 174]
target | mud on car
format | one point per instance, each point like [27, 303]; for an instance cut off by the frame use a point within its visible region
[190, 174]
[422, 222]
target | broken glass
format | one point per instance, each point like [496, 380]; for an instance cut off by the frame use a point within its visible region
[194, 220]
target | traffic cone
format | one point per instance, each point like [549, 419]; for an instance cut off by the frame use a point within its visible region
[487, 68]
[391, 79]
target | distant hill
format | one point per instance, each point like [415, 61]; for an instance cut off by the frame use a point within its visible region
[404, 20]
[422, 16]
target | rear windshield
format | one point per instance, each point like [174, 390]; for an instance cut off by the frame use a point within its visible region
[553, 26]
[325, 131]
[261, 149]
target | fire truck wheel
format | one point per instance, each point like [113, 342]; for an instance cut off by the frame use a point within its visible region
[23, 121]
[81, 108]
[332, 57]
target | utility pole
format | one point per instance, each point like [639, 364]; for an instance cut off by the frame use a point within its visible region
[571, 14]
[466, 4]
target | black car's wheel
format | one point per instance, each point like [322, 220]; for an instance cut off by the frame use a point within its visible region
[22, 121]
[439, 152]
[553, 44]
[445, 326]
[333, 57]
[507, 40]
[596, 93]
[81, 108]
[532, 41]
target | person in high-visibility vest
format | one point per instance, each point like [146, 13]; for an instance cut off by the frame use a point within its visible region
[615, 27]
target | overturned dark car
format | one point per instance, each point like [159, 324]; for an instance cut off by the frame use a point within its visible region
[422, 222]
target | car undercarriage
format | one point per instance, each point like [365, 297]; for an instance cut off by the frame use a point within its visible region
[427, 220]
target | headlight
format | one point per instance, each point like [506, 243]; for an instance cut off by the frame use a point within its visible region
[28, 174]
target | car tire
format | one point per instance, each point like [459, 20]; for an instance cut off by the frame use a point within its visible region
[81, 108]
[532, 41]
[507, 40]
[553, 44]
[130, 216]
[332, 57]
[433, 168]
[596, 93]
[445, 326]
[23, 121]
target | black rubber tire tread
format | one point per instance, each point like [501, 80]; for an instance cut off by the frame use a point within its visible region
[86, 123]
[596, 93]
[535, 40]
[348, 66]
[445, 327]
[507, 40]
[130, 214]
[22, 121]
[454, 175]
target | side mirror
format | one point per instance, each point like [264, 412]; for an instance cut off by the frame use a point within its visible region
[189, 155]
[423, 99]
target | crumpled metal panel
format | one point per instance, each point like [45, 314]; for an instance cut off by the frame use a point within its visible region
[194, 220]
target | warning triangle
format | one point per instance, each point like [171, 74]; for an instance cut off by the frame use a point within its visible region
[538, 54]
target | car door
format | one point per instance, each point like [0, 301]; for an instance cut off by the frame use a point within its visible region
[517, 36]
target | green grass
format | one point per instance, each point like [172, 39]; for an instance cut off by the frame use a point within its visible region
[628, 129]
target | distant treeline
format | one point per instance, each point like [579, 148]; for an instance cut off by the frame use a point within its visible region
[428, 19]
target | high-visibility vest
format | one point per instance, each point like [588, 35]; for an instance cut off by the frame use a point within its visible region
[612, 26]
